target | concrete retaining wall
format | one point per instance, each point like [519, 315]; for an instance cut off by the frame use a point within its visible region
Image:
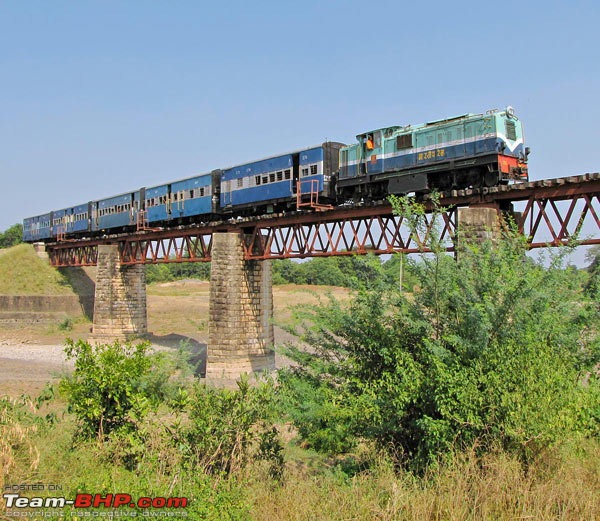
[43, 308]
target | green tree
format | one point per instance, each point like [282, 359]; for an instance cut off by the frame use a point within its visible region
[177, 271]
[593, 284]
[350, 271]
[492, 350]
[285, 272]
[12, 236]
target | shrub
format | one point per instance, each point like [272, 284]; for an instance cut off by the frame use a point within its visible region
[229, 428]
[494, 349]
[66, 324]
[104, 391]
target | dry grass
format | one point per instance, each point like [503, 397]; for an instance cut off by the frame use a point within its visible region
[181, 307]
[17, 450]
[496, 488]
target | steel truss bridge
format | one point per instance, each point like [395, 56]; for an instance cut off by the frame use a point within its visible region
[553, 212]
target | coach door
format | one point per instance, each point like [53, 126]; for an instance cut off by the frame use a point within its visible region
[373, 152]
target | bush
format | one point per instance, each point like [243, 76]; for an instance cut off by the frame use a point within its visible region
[104, 392]
[493, 350]
[229, 428]
[66, 324]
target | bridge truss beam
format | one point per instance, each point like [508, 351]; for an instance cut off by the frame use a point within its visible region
[553, 212]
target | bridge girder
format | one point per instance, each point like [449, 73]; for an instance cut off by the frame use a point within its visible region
[554, 213]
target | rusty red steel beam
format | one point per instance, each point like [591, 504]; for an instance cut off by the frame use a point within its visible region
[542, 211]
[362, 229]
[378, 234]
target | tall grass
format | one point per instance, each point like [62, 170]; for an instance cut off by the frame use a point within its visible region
[18, 450]
[562, 485]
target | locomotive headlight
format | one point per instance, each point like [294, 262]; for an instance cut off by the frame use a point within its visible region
[510, 111]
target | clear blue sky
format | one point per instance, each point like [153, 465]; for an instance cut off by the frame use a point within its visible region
[101, 97]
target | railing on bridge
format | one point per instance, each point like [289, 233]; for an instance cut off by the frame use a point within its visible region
[553, 212]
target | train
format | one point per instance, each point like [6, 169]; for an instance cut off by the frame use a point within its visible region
[471, 150]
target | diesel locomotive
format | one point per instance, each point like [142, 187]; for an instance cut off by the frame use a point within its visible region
[472, 150]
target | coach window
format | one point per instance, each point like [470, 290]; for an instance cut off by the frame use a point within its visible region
[272, 178]
[287, 174]
[313, 169]
[304, 172]
[201, 192]
[279, 176]
[265, 179]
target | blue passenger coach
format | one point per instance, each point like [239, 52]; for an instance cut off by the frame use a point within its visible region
[265, 181]
[74, 219]
[157, 203]
[193, 196]
[37, 228]
[273, 181]
[116, 212]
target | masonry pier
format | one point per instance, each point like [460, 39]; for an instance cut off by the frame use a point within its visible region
[120, 301]
[240, 331]
[479, 223]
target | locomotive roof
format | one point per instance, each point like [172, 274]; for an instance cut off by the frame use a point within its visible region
[407, 128]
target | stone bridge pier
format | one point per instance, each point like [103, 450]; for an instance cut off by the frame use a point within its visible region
[240, 330]
[478, 223]
[120, 309]
[482, 223]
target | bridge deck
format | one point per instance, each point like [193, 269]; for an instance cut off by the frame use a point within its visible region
[556, 212]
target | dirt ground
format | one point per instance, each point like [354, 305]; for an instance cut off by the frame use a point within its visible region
[32, 355]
